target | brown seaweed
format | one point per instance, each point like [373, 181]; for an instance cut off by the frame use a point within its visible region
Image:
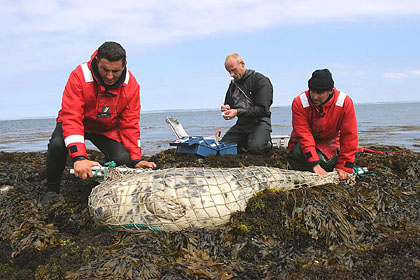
[370, 230]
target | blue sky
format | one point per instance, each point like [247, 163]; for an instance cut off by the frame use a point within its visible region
[176, 49]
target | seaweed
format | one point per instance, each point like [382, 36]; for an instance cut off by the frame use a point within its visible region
[367, 230]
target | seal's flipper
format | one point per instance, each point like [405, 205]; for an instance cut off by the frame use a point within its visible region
[164, 208]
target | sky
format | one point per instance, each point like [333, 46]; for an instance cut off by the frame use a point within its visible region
[176, 49]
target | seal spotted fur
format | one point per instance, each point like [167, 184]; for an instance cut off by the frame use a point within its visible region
[180, 198]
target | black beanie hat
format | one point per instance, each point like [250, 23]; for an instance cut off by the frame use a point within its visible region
[321, 80]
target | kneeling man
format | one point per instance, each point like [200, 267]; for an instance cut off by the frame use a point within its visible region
[324, 135]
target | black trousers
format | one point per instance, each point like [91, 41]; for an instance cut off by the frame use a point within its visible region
[298, 161]
[253, 139]
[57, 154]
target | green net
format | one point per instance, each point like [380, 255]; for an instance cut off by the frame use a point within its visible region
[180, 198]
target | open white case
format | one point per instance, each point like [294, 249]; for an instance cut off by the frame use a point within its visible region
[180, 132]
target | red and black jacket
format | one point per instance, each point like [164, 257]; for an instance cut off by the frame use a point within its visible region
[88, 106]
[329, 127]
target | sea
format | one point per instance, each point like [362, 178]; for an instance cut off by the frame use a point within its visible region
[395, 124]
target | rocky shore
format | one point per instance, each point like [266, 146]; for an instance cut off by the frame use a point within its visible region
[368, 231]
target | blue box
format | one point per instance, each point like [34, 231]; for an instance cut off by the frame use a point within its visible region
[227, 149]
[198, 149]
[195, 145]
[203, 146]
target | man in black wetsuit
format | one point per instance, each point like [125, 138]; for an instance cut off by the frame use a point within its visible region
[249, 97]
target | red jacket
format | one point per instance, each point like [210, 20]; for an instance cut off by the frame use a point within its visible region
[87, 108]
[328, 129]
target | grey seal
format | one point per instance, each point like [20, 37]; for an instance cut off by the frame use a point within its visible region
[176, 199]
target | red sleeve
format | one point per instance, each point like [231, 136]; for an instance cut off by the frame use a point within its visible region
[302, 130]
[129, 123]
[348, 137]
[72, 115]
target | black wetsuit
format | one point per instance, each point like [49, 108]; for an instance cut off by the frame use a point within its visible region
[252, 96]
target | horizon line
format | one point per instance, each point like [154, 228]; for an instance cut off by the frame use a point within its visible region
[208, 109]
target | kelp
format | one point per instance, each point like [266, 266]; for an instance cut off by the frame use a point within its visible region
[370, 230]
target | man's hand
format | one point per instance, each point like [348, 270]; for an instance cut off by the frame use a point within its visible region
[230, 114]
[82, 168]
[342, 175]
[319, 170]
[144, 163]
[224, 108]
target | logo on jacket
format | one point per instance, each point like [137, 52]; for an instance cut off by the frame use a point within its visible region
[105, 112]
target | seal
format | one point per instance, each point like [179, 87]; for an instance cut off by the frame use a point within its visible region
[176, 199]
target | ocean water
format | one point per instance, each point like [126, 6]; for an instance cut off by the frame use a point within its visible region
[378, 124]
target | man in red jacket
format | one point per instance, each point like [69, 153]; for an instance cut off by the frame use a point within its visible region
[101, 103]
[324, 135]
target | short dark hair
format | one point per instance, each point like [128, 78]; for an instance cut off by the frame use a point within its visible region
[112, 51]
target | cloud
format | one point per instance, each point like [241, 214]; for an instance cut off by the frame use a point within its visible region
[404, 74]
[394, 75]
[53, 27]
[414, 72]
[44, 36]
[163, 20]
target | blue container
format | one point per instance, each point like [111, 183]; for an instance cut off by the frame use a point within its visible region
[198, 149]
[196, 145]
[203, 147]
[227, 149]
